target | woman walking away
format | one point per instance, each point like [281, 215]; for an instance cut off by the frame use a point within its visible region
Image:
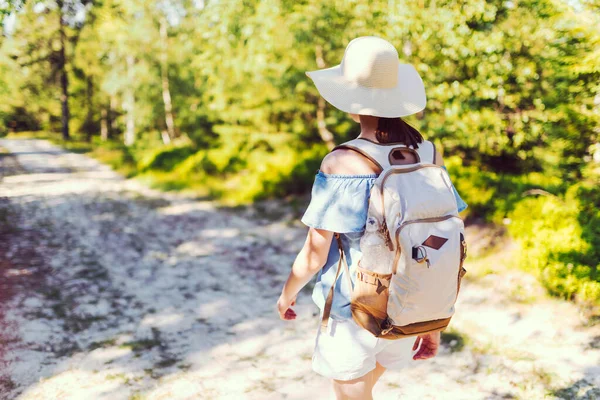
[376, 90]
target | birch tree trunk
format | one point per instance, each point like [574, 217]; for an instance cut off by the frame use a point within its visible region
[166, 93]
[129, 103]
[325, 133]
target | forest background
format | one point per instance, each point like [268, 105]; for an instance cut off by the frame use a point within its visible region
[211, 97]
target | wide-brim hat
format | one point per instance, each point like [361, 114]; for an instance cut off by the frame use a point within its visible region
[370, 80]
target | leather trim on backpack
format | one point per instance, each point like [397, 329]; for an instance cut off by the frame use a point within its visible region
[418, 328]
[381, 328]
[360, 151]
[435, 242]
[403, 148]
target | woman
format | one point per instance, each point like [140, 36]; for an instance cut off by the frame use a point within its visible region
[376, 90]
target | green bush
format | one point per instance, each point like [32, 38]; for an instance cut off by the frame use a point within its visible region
[492, 195]
[235, 174]
[118, 156]
[268, 174]
[560, 240]
[165, 158]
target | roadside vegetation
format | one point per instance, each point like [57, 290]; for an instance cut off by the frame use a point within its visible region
[211, 98]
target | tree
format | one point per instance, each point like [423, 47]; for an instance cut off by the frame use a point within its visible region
[45, 34]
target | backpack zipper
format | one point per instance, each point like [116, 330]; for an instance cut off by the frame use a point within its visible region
[414, 221]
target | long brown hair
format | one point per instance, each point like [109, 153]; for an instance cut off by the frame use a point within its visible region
[396, 130]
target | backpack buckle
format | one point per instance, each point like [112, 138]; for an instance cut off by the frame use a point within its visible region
[386, 326]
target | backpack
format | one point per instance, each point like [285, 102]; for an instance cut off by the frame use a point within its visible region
[408, 278]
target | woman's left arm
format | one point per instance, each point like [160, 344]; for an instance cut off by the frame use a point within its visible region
[309, 261]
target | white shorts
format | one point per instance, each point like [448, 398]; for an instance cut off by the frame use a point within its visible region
[348, 351]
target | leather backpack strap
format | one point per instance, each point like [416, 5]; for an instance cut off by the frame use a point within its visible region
[427, 152]
[375, 152]
[381, 153]
[329, 300]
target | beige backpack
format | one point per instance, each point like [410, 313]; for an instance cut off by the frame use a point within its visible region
[408, 278]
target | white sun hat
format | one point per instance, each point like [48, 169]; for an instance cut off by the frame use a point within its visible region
[371, 81]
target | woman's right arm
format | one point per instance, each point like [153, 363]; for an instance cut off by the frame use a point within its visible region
[308, 262]
[314, 253]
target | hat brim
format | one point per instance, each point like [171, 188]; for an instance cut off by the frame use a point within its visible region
[406, 98]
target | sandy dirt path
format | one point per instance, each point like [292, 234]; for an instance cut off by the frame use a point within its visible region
[110, 290]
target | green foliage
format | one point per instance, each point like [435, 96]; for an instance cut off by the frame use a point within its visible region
[492, 194]
[118, 156]
[164, 158]
[510, 85]
[276, 174]
[238, 181]
[512, 93]
[559, 238]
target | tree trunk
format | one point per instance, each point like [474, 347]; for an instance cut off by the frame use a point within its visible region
[325, 133]
[164, 71]
[107, 120]
[112, 106]
[104, 124]
[130, 104]
[89, 119]
[64, 81]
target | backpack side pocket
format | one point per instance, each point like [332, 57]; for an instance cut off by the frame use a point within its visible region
[463, 255]
[370, 298]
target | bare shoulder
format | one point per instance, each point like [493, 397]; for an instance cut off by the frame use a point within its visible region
[347, 162]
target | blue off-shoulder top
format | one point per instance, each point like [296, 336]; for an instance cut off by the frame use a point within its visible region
[339, 203]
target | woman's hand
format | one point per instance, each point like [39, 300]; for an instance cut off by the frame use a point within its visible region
[308, 262]
[283, 306]
[429, 346]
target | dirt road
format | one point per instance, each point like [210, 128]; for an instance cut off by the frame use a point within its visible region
[110, 290]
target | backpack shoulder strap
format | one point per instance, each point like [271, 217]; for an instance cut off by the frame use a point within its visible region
[427, 152]
[329, 300]
[375, 152]
[379, 153]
